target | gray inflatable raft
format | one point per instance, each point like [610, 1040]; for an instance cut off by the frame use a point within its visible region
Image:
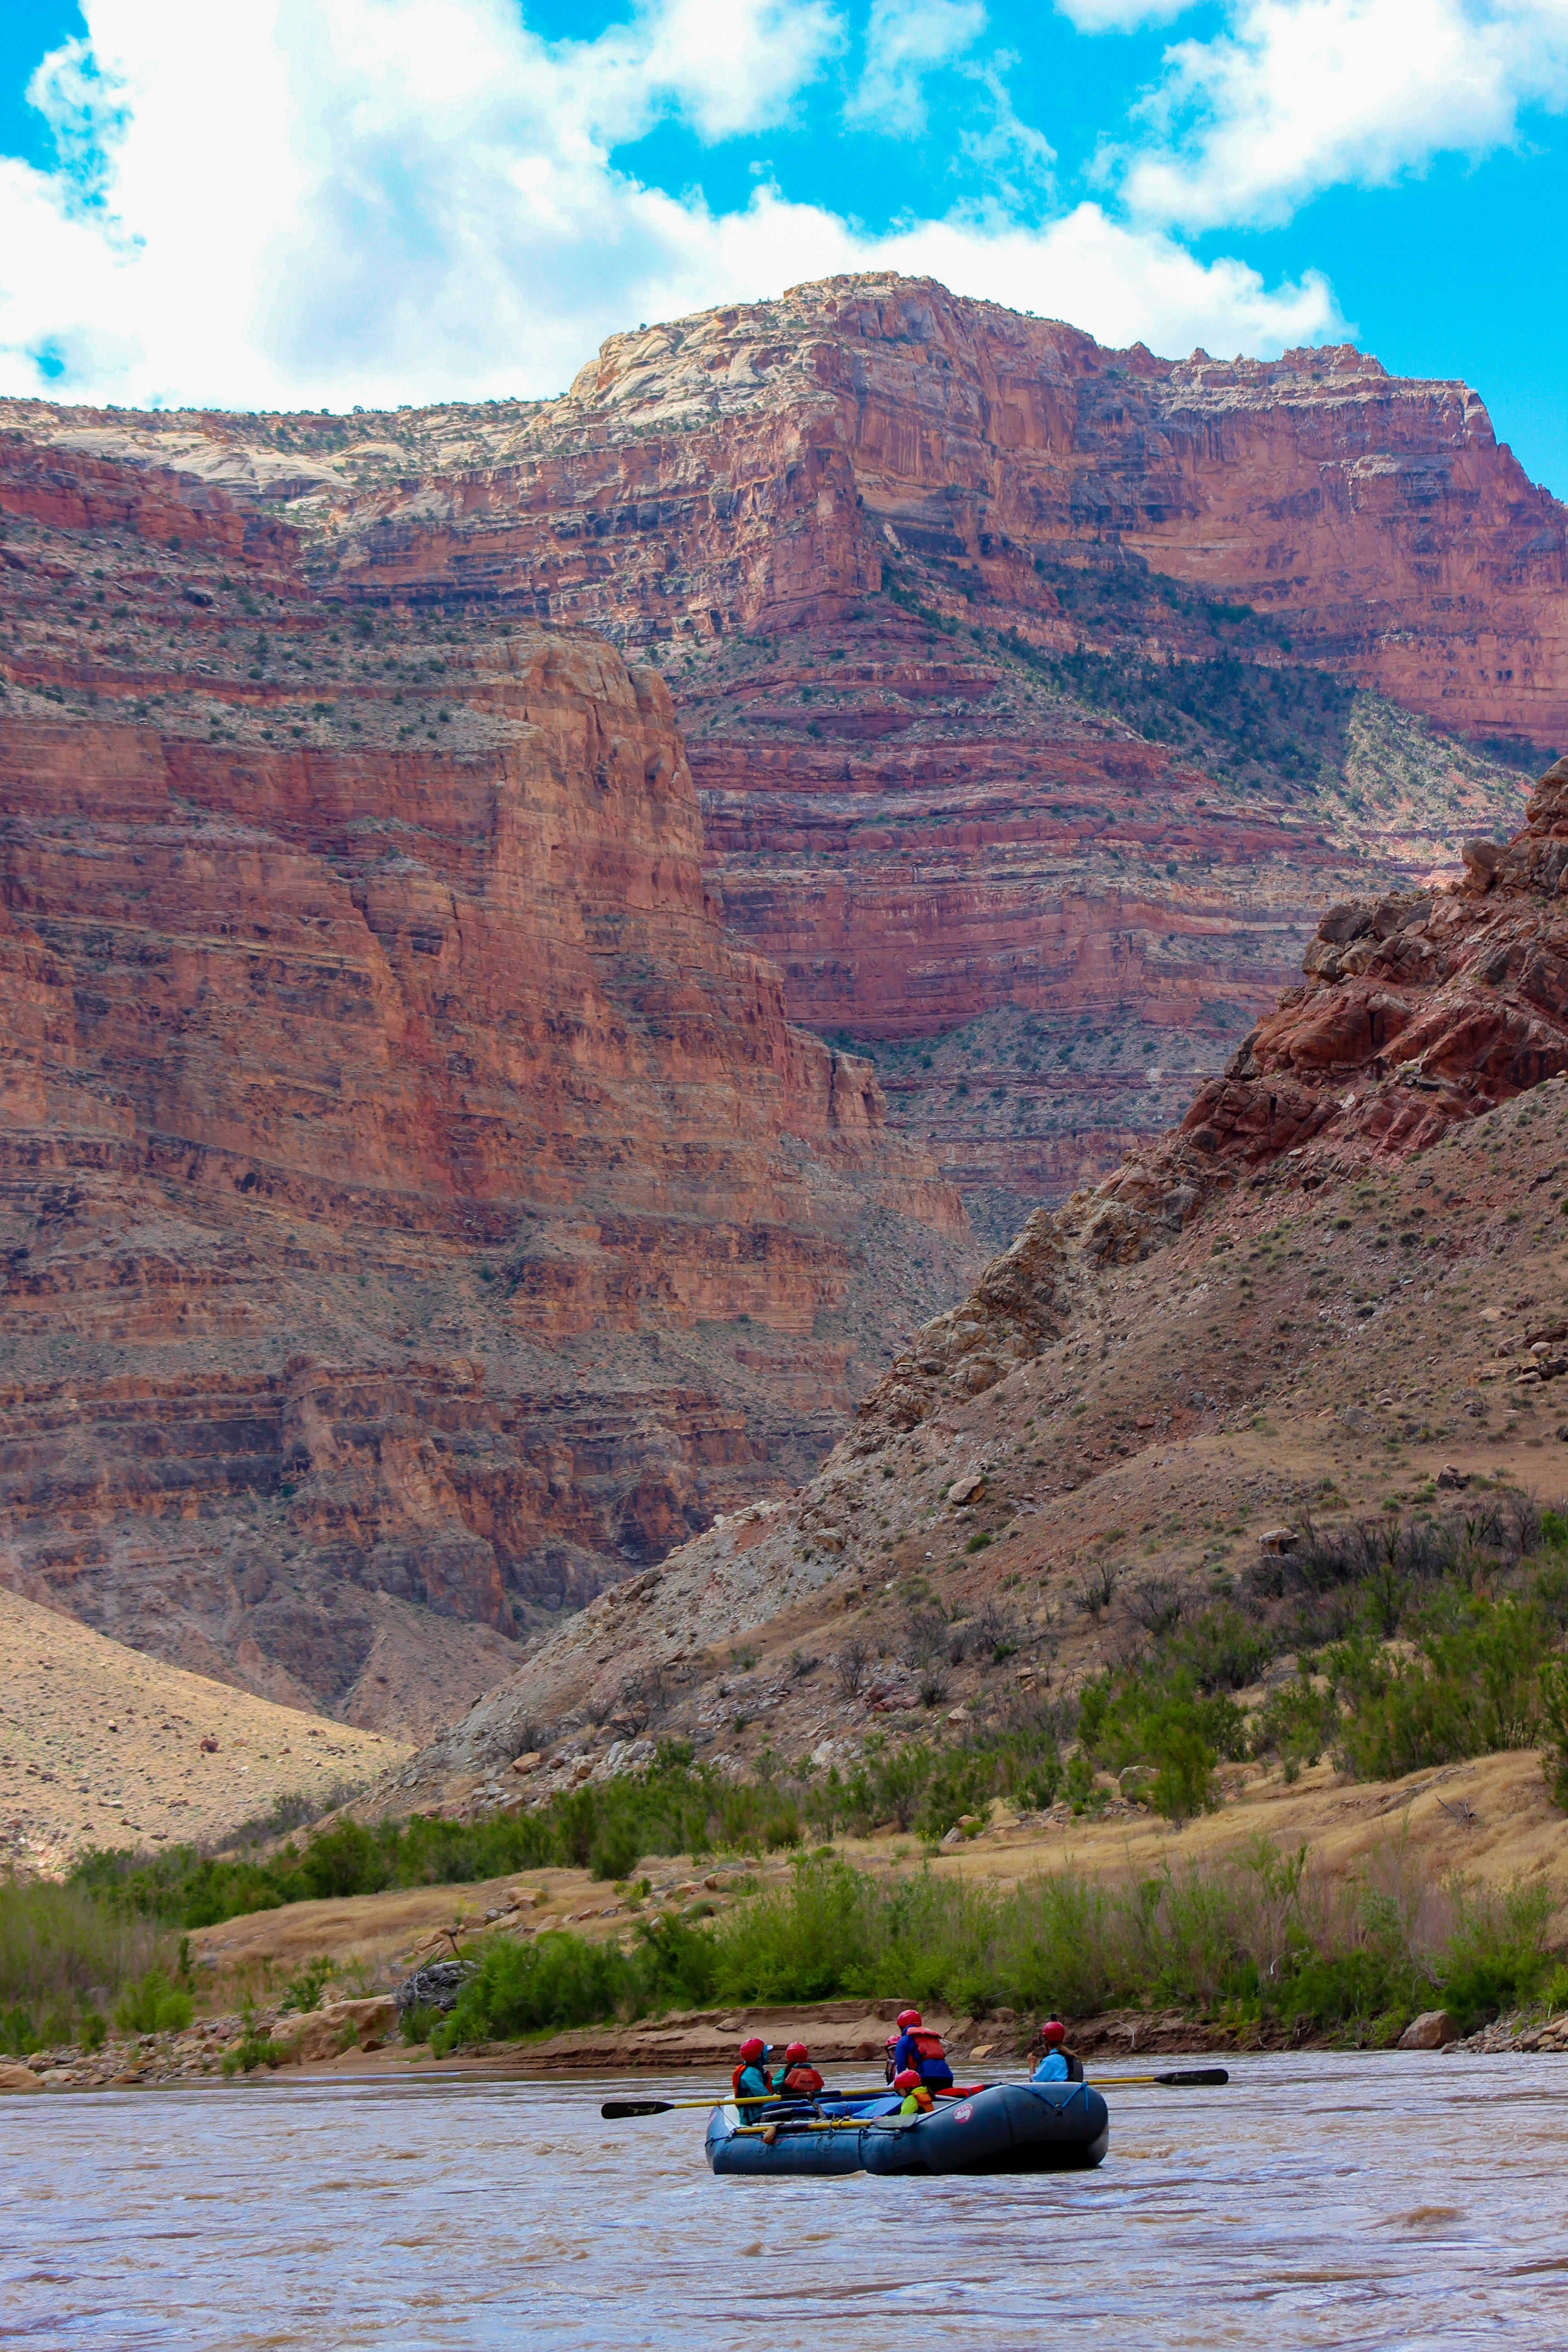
[1006, 2128]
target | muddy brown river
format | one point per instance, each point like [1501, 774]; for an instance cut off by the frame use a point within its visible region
[1344, 2201]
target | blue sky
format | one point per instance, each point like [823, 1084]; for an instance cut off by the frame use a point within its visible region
[330, 201]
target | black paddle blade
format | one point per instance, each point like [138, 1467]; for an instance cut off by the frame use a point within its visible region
[614, 2110]
[1201, 2078]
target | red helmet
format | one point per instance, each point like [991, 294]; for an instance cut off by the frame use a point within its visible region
[1053, 2029]
[797, 2051]
[908, 2081]
[908, 2017]
[755, 2048]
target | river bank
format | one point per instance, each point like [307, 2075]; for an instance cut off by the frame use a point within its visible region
[359, 2039]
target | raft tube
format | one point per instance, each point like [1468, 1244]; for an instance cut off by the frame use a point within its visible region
[1006, 2128]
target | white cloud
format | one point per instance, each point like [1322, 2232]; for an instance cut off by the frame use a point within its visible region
[331, 201]
[1013, 157]
[1300, 95]
[1124, 285]
[905, 40]
[1119, 16]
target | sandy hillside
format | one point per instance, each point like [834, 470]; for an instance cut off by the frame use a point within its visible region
[100, 1745]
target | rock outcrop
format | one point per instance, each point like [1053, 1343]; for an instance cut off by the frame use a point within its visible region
[955, 605]
[1104, 1352]
[1417, 1014]
[396, 1150]
[757, 466]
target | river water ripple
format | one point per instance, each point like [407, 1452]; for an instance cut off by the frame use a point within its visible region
[1342, 2201]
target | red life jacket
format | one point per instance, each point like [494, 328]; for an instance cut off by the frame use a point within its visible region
[928, 2043]
[805, 2081]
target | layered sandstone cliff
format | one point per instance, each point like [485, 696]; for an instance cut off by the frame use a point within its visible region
[790, 504]
[1342, 1271]
[413, 1200]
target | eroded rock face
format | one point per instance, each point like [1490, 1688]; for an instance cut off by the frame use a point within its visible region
[395, 1148]
[1418, 1013]
[977, 1428]
[778, 444]
[791, 501]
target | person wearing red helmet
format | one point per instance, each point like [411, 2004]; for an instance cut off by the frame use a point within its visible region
[798, 2078]
[1058, 2064]
[916, 2047]
[917, 2099]
[750, 2079]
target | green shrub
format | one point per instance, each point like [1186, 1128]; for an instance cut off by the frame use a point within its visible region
[18, 2033]
[1184, 1782]
[1254, 1938]
[1496, 1956]
[253, 2049]
[1296, 1722]
[308, 1983]
[616, 1850]
[62, 1952]
[153, 2005]
[1554, 1708]
[1475, 1686]
[558, 1980]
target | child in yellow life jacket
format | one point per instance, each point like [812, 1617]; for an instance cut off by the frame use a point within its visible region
[918, 2100]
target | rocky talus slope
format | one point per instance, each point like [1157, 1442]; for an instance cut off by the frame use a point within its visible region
[414, 1209]
[1038, 693]
[1344, 1275]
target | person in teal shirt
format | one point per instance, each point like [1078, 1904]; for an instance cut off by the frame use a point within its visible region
[751, 2080]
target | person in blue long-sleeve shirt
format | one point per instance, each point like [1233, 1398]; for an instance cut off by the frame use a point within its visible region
[1058, 2064]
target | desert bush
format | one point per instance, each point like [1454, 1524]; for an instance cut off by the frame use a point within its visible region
[616, 1849]
[933, 1683]
[1157, 1604]
[63, 1957]
[153, 2004]
[304, 1988]
[1554, 1710]
[852, 1665]
[253, 2049]
[1096, 1589]
[1258, 1935]
[1474, 1686]
[557, 1981]
[996, 1630]
[1297, 1722]
[1223, 1650]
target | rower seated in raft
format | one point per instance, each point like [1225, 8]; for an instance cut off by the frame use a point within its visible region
[751, 2082]
[797, 2078]
[1057, 2062]
[915, 2048]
